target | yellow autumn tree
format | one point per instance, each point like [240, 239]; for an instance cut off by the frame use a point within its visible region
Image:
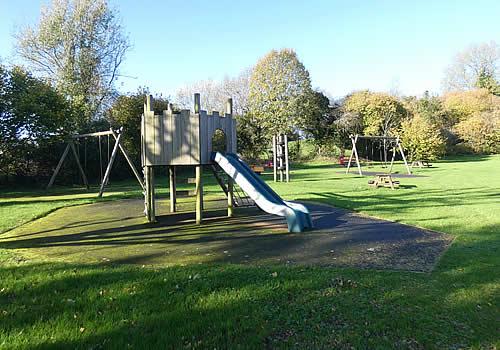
[481, 132]
[421, 139]
[380, 113]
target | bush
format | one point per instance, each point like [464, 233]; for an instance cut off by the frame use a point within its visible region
[461, 105]
[421, 139]
[481, 132]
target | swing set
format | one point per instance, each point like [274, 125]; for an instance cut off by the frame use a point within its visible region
[116, 134]
[380, 147]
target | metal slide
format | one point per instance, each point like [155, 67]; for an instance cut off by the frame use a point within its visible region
[297, 215]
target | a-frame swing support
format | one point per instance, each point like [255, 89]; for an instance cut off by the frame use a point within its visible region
[118, 146]
[354, 152]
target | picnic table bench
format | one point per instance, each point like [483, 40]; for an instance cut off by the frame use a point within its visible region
[383, 180]
[421, 164]
[258, 169]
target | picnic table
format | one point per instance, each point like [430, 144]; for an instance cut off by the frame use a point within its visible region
[383, 180]
[421, 164]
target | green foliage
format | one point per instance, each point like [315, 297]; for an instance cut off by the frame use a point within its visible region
[481, 132]
[126, 112]
[78, 45]
[429, 108]
[381, 113]
[421, 139]
[32, 111]
[280, 92]
[486, 80]
[319, 121]
[252, 139]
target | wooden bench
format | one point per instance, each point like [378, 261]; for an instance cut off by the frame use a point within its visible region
[383, 180]
[258, 169]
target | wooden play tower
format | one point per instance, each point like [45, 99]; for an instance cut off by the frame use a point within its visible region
[179, 140]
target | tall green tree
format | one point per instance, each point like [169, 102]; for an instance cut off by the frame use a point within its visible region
[31, 112]
[280, 92]
[79, 46]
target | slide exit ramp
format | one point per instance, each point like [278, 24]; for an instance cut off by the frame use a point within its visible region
[297, 216]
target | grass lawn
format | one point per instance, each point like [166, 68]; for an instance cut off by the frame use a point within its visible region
[68, 305]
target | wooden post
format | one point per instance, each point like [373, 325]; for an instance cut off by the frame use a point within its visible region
[110, 165]
[230, 204]
[287, 167]
[392, 159]
[173, 195]
[197, 100]
[403, 155]
[58, 167]
[354, 151]
[148, 105]
[84, 178]
[150, 193]
[229, 106]
[275, 159]
[129, 161]
[350, 156]
[280, 155]
[199, 194]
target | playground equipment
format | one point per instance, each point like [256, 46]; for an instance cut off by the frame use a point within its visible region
[280, 158]
[117, 135]
[188, 139]
[385, 143]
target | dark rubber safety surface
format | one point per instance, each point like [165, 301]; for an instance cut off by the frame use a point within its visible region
[116, 232]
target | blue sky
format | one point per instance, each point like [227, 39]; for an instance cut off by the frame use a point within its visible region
[345, 45]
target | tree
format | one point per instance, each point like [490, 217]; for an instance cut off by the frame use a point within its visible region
[465, 70]
[481, 132]
[463, 104]
[429, 107]
[214, 94]
[421, 139]
[252, 141]
[320, 123]
[31, 113]
[126, 112]
[380, 113]
[239, 89]
[280, 92]
[79, 46]
[487, 81]
[212, 98]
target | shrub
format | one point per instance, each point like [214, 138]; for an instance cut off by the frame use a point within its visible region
[421, 139]
[463, 104]
[481, 132]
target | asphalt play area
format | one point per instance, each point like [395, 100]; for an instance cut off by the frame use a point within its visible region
[117, 232]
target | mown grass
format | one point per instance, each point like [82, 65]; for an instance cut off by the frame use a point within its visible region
[44, 304]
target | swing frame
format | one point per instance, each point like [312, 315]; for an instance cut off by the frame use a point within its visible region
[117, 135]
[390, 139]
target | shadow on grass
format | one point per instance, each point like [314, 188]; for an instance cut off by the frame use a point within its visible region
[229, 306]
